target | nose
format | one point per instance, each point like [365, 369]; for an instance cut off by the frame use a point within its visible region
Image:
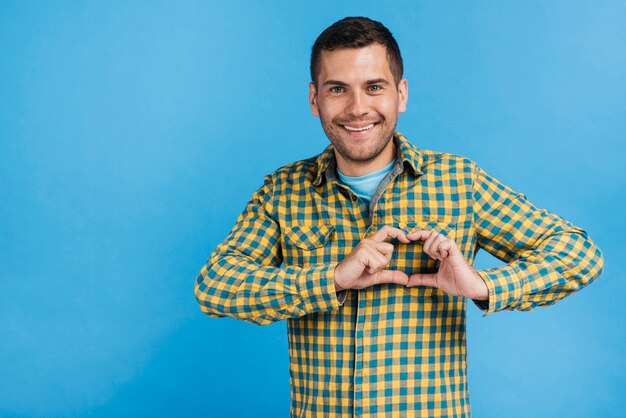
[356, 106]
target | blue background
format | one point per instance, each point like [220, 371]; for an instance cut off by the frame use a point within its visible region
[133, 133]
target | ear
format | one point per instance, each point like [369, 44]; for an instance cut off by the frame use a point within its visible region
[403, 93]
[313, 99]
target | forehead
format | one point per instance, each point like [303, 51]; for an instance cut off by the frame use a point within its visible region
[355, 64]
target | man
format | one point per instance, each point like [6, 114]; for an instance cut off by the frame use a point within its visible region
[367, 248]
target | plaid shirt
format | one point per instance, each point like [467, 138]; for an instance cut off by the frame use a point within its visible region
[387, 350]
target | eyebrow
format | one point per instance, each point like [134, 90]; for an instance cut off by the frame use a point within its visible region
[377, 81]
[335, 83]
[368, 82]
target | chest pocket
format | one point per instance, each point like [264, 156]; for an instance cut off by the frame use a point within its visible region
[307, 244]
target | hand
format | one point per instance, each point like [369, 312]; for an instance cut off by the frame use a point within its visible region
[364, 267]
[455, 275]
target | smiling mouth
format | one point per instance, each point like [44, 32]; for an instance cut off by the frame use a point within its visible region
[358, 129]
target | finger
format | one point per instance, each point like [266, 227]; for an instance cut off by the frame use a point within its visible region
[390, 276]
[419, 235]
[453, 250]
[428, 244]
[445, 248]
[384, 248]
[390, 232]
[420, 279]
[375, 260]
[437, 245]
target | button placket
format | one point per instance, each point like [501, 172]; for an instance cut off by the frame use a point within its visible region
[358, 354]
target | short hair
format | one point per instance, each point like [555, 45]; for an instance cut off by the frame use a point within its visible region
[357, 32]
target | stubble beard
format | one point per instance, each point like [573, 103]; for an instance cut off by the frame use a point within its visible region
[335, 130]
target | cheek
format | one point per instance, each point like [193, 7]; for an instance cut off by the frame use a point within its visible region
[327, 112]
[391, 109]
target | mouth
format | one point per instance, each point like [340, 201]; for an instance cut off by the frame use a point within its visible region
[352, 128]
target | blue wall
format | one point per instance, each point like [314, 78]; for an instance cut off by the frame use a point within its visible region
[133, 133]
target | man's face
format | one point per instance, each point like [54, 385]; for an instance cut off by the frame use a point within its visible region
[358, 102]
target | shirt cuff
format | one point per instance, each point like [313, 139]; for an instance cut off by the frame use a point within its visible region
[504, 287]
[317, 289]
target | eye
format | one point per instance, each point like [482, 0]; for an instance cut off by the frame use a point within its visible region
[337, 89]
[375, 88]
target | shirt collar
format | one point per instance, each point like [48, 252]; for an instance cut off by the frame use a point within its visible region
[405, 153]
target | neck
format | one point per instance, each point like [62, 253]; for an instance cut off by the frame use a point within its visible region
[362, 168]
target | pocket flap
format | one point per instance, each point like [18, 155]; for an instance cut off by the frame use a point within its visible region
[445, 228]
[308, 237]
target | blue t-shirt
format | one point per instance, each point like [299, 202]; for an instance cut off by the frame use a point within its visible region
[365, 186]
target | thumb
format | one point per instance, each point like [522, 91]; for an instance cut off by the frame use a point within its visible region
[391, 276]
[420, 279]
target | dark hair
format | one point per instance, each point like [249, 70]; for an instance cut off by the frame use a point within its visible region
[357, 32]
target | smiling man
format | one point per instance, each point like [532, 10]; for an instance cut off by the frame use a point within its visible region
[367, 249]
[358, 98]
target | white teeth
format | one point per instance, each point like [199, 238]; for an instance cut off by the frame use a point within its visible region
[365, 128]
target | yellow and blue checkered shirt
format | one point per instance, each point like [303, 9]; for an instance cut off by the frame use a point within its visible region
[387, 350]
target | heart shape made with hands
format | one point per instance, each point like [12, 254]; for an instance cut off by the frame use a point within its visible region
[365, 266]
